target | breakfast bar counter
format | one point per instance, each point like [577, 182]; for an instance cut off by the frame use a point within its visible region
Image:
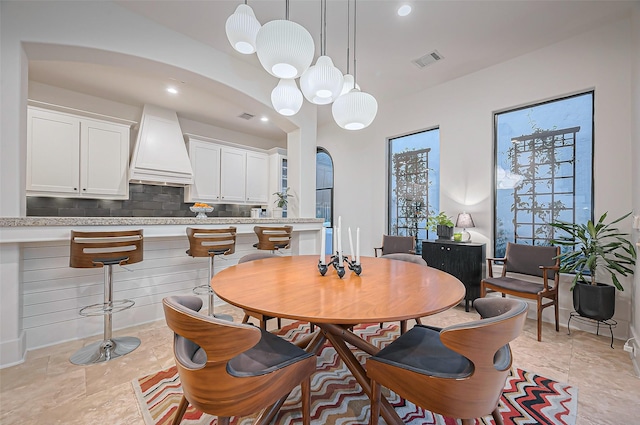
[41, 294]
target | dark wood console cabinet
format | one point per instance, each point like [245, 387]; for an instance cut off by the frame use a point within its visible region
[464, 260]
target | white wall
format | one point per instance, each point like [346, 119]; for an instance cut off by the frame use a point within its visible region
[463, 109]
[635, 90]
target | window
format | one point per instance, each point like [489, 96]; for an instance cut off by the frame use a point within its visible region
[544, 169]
[324, 192]
[414, 181]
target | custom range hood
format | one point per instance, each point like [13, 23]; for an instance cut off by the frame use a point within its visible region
[160, 155]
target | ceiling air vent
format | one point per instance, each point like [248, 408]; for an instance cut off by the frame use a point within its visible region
[428, 59]
[246, 116]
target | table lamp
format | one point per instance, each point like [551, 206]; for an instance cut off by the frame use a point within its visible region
[465, 221]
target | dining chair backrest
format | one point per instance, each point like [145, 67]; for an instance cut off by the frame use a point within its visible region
[231, 369]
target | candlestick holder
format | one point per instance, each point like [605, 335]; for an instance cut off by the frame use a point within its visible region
[340, 269]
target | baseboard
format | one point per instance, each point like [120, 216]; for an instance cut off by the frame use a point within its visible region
[13, 352]
[635, 356]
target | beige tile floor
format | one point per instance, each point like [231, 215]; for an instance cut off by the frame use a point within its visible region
[47, 389]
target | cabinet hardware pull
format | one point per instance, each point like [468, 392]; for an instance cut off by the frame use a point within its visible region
[75, 188]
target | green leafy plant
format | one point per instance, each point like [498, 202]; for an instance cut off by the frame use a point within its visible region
[594, 247]
[282, 198]
[440, 219]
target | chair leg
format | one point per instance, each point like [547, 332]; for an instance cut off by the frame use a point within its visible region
[375, 403]
[182, 408]
[539, 319]
[279, 323]
[403, 327]
[245, 319]
[305, 387]
[468, 421]
[497, 417]
[223, 420]
[418, 321]
[555, 306]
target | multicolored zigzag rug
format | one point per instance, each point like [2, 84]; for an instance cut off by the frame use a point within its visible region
[337, 399]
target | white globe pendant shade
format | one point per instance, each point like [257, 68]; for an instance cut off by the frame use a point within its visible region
[348, 84]
[242, 28]
[285, 49]
[321, 83]
[286, 98]
[354, 110]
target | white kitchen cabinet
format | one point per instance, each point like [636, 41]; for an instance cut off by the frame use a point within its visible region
[227, 173]
[257, 184]
[74, 156]
[205, 162]
[233, 174]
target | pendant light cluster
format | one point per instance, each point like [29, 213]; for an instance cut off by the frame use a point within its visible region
[285, 49]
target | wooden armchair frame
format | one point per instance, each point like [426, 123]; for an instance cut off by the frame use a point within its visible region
[207, 381]
[528, 260]
[466, 396]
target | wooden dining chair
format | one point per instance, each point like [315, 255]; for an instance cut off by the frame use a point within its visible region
[459, 371]
[262, 318]
[395, 244]
[232, 369]
[542, 263]
[410, 258]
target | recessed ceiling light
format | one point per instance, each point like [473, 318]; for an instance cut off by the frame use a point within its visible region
[172, 90]
[404, 10]
[264, 119]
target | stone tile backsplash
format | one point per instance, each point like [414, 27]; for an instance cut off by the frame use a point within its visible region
[144, 201]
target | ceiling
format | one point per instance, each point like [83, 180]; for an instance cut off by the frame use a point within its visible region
[470, 35]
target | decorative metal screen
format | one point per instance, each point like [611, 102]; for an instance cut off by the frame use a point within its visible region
[411, 171]
[545, 163]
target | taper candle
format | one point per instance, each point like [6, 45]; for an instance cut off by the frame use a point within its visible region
[352, 252]
[358, 246]
[322, 245]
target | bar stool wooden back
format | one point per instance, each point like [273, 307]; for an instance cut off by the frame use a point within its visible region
[273, 238]
[209, 243]
[105, 249]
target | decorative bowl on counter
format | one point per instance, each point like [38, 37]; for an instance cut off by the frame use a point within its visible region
[201, 211]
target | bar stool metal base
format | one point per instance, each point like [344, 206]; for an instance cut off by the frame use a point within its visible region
[103, 351]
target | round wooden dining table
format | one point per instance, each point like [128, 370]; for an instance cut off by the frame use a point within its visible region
[292, 287]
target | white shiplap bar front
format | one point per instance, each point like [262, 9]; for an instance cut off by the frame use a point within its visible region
[50, 293]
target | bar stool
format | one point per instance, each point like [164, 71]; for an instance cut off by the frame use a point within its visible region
[209, 243]
[105, 249]
[273, 238]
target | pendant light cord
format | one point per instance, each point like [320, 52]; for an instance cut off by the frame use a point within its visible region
[348, 33]
[355, 20]
[286, 11]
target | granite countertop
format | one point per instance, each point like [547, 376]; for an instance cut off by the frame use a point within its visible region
[140, 221]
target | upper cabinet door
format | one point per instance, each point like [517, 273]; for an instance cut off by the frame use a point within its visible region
[232, 174]
[205, 161]
[53, 150]
[257, 189]
[104, 159]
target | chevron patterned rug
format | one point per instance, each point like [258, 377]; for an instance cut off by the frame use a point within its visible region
[336, 397]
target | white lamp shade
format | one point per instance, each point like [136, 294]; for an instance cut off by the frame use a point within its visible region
[286, 98]
[242, 28]
[321, 83]
[349, 83]
[354, 110]
[285, 49]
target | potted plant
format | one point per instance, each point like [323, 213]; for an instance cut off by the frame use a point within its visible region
[442, 224]
[595, 249]
[281, 202]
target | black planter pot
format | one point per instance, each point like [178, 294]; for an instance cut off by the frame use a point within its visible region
[444, 232]
[597, 302]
